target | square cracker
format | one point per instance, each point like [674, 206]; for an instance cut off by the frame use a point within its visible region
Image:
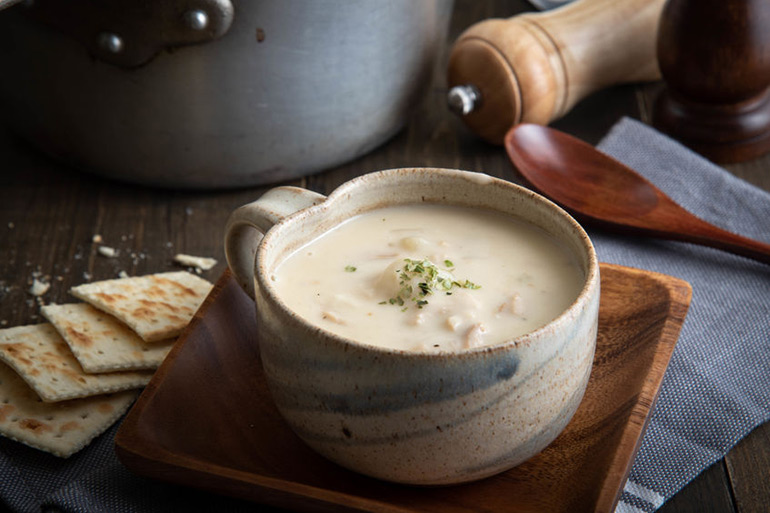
[156, 306]
[100, 342]
[42, 358]
[61, 428]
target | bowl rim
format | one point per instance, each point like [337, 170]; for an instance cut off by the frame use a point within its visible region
[590, 288]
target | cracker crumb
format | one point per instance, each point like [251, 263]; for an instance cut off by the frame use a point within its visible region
[3, 323]
[107, 251]
[39, 288]
[11, 226]
[122, 274]
[97, 239]
[199, 263]
[86, 276]
[188, 211]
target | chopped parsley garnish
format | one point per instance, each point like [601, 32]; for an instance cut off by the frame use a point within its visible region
[350, 269]
[421, 278]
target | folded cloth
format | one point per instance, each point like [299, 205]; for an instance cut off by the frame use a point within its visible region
[93, 481]
[715, 390]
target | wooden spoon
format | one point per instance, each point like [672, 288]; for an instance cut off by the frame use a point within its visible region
[598, 189]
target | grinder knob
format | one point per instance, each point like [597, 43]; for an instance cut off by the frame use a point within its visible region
[534, 67]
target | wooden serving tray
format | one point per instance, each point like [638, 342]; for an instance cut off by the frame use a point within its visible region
[207, 419]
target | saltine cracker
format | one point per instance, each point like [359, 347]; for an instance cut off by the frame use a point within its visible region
[42, 358]
[100, 342]
[155, 306]
[61, 428]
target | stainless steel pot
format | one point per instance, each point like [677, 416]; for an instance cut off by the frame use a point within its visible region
[214, 93]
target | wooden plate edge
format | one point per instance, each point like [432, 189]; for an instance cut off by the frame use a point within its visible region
[136, 453]
[679, 295]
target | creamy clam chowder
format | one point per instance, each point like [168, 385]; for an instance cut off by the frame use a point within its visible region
[430, 278]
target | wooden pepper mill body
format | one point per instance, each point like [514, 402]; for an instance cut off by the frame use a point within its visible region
[535, 67]
[714, 56]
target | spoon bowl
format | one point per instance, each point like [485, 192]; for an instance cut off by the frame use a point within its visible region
[598, 189]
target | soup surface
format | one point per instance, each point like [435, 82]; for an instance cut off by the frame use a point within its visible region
[430, 278]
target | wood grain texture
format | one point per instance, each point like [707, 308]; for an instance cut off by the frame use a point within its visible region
[709, 493]
[55, 210]
[211, 388]
[748, 471]
[602, 191]
[534, 68]
[715, 60]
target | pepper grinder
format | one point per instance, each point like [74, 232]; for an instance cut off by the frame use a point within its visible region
[714, 56]
[534, 67]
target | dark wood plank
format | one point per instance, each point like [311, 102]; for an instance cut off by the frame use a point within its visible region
[748, 467]
[707, 493]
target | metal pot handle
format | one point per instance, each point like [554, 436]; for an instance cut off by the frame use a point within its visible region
[248, 224]
[129, 33]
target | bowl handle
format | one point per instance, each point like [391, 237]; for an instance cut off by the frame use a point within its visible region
[248, 224]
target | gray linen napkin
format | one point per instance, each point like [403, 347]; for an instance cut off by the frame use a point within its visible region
[717, 387]
[93, 481]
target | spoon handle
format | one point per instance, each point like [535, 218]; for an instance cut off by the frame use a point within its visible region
[695, 230]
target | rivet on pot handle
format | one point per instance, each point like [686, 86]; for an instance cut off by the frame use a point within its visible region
[128, 33]
[247, 225]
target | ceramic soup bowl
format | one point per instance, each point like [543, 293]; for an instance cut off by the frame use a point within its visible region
[425, 418]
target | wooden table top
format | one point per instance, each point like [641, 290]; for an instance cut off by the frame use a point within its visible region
[49, 213]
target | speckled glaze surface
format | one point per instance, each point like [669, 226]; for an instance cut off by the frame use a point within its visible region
[425, 419]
